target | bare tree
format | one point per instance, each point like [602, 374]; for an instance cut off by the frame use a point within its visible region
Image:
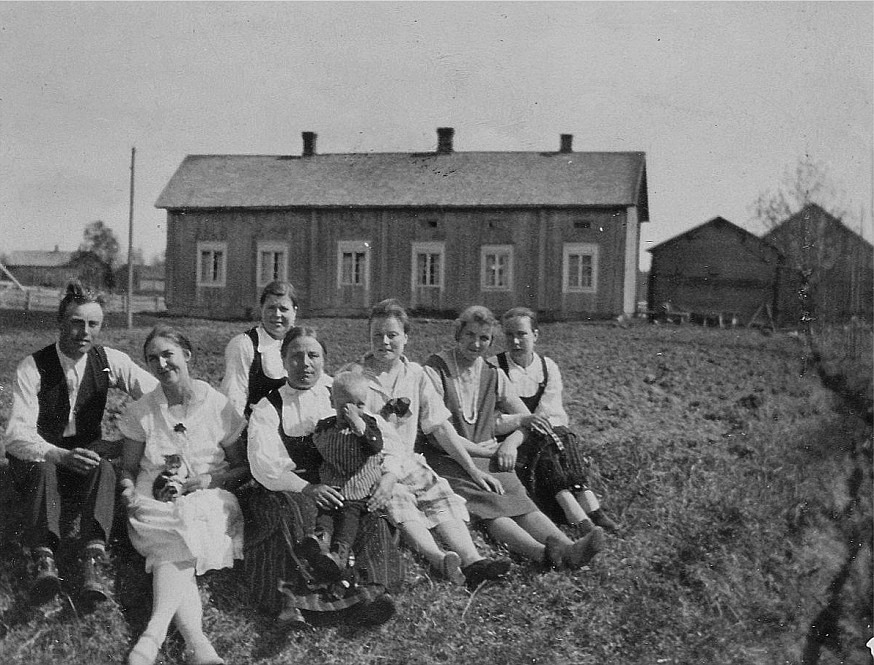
[800, 217]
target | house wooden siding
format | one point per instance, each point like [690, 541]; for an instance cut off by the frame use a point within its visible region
[556, 231]
[716, 267]
[537, 237]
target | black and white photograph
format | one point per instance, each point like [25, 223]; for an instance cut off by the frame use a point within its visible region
[424, 333]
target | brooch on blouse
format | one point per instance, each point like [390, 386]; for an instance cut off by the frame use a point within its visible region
[179, 428]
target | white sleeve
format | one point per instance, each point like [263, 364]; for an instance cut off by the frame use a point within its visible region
[22, 439]
[268, 460]
[239, 356]
[128, 376]
[550, 406]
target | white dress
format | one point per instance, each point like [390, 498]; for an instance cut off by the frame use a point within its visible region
[205, 526]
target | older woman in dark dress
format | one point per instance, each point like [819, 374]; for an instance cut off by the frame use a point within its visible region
[282, 509]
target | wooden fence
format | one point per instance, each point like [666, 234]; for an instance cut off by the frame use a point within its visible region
[46, 300]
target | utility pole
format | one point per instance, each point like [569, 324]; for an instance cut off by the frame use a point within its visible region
[130, 245]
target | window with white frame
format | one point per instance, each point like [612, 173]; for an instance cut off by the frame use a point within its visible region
[580, 268]
[353, 263]
[212, 259]
[272, 263]
[428, 262]
[497, 267]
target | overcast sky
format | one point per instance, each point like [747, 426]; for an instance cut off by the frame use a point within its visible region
[722, 97]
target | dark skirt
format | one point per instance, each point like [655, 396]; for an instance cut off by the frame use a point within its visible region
[545, 469]
[276, 521]
[483, 505]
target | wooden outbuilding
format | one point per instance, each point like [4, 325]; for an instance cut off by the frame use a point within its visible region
[715, 268]
[839, 267]
[556, 231]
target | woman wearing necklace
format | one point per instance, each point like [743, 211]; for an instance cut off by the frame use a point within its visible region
[186, 433]
[473, 390]
[406, 398]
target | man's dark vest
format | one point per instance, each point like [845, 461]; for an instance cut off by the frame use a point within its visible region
[260, 385]
[533, 401]
[54, 398]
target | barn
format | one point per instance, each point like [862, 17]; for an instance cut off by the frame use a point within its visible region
[556, 231]
[716, 267]
[839, 264]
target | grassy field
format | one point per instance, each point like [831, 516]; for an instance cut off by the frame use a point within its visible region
[743, 486]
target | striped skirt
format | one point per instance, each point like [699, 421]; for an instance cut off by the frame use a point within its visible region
[276, 521]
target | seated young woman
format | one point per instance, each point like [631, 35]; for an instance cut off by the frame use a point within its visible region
[189, 430]
[474, 391]
[544, 459]
[406, 398]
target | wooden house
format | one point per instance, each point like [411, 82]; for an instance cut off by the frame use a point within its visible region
[839, 267]
[42, 268]
[556, 231]
[716, 267]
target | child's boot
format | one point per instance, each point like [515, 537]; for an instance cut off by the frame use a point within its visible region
[314, 549]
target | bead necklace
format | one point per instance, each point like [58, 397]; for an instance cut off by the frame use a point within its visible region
[467, 385]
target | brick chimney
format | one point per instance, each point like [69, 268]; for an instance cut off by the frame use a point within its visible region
[444, 140]
[567, 143]
[309, 144]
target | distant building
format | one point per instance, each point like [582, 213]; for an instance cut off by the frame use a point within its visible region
[840, 264]
[556, 231]
[42, 268]
[715, 267]
[148, 280]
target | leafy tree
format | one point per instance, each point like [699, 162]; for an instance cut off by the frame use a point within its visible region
[100, 239]
[93, 271]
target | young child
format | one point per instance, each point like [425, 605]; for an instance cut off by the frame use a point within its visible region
[351, 446]
[541, 460]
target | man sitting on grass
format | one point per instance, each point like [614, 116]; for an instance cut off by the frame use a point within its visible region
[54, 438]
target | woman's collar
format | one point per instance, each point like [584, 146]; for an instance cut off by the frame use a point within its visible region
[265, 341]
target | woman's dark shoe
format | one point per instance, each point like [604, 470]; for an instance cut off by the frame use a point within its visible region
[375, 612]
[600, 519]
[581, 529]
[554, 554]
[290, 618]
[584, 549]
[485, 570]
[46, 582]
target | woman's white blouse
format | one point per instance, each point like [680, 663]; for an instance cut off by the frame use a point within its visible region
[239, 356]
[301, 411]
[198, 430]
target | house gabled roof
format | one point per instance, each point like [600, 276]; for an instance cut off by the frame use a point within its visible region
[819, 215]
[39, 258]
[456, 179]
[722, 224]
